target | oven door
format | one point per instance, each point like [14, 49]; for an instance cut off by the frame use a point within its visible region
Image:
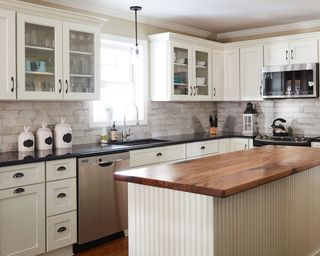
[291, 81]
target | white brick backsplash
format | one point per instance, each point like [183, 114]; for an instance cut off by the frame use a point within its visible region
[164, 118]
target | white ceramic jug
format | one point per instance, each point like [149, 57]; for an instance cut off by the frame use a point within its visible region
[26, 140]
[62, 135]
[44, 140]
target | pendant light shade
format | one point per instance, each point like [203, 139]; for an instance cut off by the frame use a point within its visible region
[136, 9]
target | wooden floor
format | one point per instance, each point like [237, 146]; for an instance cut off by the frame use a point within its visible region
[117, 247]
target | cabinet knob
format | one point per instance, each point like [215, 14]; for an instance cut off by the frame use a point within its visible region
[159, 154]
[18, 190]
[61, 195]
[61, 229]
[203, 147]
[61, 169]
[18, 175]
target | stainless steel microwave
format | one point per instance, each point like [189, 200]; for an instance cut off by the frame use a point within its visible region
[290, 81]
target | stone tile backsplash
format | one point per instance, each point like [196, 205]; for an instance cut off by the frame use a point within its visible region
[164, 118]
[302, 115]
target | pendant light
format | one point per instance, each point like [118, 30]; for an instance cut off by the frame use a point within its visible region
[136, 9]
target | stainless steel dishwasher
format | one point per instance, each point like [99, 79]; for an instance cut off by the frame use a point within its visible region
[102, 201]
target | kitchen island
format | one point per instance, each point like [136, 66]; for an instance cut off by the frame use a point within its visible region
[263, 201]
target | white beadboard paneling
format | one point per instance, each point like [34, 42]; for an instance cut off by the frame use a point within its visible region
[167, 222]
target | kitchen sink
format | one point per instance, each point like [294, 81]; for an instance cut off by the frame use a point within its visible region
[138, 142]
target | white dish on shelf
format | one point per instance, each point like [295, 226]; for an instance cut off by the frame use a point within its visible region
[200, 81]
[181, 61]
[201, 63]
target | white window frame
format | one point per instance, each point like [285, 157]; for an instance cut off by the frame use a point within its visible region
[144, 121]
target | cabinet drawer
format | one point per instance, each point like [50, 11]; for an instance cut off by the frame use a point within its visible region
[157, 155]
[61, 169]
[21, 175]
[202, 148]
[61, 196]
[61, 230]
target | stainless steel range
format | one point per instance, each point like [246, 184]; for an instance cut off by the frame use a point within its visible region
[262, 140]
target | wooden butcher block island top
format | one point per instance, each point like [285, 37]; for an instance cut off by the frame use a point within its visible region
[227, 174]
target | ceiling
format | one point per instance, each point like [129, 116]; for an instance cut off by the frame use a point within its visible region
[216, 16]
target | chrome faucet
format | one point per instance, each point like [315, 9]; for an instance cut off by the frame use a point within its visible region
[126, 134]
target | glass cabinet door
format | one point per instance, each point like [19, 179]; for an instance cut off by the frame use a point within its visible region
[201, 73]
[80, 54]
[181, 71]
[39, 48]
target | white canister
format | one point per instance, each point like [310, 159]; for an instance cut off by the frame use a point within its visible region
[44, 138]
[62, 135]
[26, 140]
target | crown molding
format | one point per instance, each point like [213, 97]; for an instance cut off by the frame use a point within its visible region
[129, 16]
[271, 29]
[51, 12]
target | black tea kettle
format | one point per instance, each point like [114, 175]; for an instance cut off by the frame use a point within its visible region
[278, 129]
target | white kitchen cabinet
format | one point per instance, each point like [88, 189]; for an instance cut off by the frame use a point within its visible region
[291, 52]
[8, 88]
[202, 148]
[81, 61]
[61, 169]
[157, 155]
[22, 221]
[217, 75]
[231, 74]
[180, 68]
[251, 62]
[315, 144]
[237, 144]
[224, 146]
[56, 60]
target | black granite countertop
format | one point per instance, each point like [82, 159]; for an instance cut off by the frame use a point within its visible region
[86, 150]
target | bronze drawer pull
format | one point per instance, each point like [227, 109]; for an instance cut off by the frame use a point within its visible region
[61, 229]
[18, 175]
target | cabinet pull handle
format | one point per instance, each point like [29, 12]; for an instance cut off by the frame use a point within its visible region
[214, 91]
[194, 91]
[18, 175]
[191, 90]
[61, 169]
[159, 154]
[18, 190]
[60, 83]
[67, 86]
[287, 54]
[245, 146]
[203, 147]
[292, 54]
[12, 81]
[61, 229]
[61, 195]
[260, 90]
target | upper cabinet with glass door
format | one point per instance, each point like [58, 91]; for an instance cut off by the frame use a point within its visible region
[56, 60]
[81, 61]
[180, 68]
[39, 52]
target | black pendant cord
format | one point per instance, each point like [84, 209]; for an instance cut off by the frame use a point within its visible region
[136, 9]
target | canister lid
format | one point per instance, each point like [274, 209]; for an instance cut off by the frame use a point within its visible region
[62, 124]
[44, 128]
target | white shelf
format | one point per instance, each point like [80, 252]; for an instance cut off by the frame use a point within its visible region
[181, 65]
[80, 75]
[39, 48]
[204, 67]
[181, 84]
[203, 85]
[40, 73]
[82, 53]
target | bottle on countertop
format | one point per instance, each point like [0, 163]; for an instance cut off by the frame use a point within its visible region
[114, 133]
[104, 136]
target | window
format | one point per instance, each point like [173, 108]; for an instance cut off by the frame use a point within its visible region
[123, 81]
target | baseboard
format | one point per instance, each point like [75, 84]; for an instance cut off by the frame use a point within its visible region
[65, 251]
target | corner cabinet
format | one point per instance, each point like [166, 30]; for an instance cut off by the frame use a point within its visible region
[181, 69]
[8, 55]
[56, 60]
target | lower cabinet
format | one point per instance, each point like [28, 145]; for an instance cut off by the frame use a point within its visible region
[202, 148]
[224, 146]
[237, 144]
[37, 217]
[22, 220]
[315, 144]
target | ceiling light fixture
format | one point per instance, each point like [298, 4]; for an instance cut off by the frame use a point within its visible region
[136, 9]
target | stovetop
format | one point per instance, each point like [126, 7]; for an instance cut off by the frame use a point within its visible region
[281, 140]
